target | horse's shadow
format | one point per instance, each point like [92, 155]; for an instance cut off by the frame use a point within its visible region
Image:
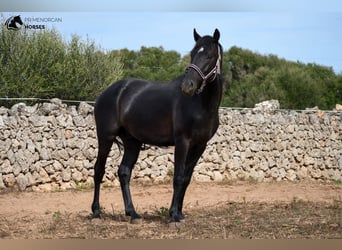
[121, 217]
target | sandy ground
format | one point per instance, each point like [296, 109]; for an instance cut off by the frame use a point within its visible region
[153, 197]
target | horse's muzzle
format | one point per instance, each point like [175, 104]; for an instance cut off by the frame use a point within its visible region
[189, 87]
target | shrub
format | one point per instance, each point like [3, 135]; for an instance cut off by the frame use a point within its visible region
[41, 64]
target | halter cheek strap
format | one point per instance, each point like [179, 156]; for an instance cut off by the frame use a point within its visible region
[216, 70]
[199, 71]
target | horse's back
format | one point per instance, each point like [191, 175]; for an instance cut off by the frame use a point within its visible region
[144, 109]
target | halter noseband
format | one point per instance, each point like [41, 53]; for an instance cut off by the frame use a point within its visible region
[214, 72]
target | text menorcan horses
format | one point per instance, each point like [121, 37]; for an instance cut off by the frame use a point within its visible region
[183, 113]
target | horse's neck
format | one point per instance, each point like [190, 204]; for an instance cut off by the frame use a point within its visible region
[213, 94]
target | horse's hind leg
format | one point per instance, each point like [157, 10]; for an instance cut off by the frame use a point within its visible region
[99, 170]
[132, 148]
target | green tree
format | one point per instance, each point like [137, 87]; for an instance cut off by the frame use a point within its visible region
[41, 64]
[152, 63]
[255, 78]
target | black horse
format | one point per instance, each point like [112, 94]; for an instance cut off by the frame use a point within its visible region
[183, 113]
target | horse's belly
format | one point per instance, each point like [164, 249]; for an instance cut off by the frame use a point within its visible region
[149, 128]
[152, 137]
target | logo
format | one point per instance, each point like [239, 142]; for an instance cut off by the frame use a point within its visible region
[14, 23]
[31, 23]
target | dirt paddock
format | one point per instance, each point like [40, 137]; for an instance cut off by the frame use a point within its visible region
[240, 210]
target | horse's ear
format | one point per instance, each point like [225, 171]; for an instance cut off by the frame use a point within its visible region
[196, 35]
[216, 35]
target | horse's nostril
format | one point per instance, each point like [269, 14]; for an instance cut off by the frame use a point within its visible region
[188, 88]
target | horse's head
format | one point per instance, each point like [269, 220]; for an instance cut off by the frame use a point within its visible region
[13, 22]
[17, 19]
[205, 63]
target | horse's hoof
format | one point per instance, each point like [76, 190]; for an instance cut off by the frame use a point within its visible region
[175, 225]
[96, 214]
[136, 221]
[96, 220]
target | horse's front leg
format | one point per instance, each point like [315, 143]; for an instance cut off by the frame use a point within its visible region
[193, 156]
[181, 152]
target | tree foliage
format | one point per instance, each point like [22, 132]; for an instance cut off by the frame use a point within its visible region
[152, 63]
[40, 64]
[254, 78]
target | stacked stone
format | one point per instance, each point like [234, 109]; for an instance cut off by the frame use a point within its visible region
[54, 146]
[276, 145]
[48, 145]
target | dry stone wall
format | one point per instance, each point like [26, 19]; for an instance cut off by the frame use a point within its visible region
[53, 146]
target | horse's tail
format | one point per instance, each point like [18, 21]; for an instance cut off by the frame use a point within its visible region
[119, 143]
